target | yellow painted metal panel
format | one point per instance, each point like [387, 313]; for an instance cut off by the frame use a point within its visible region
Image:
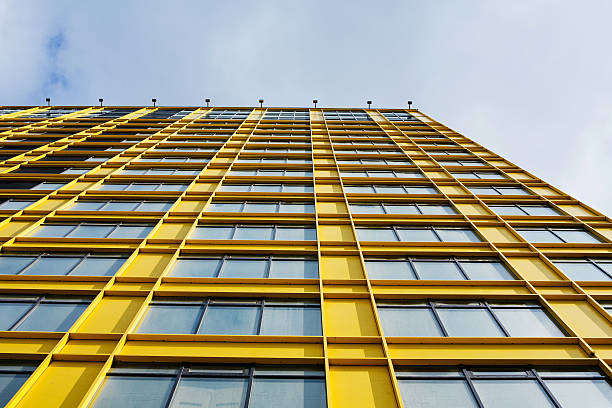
[497, 234]
[349, 317]
[472, 209]
[576, 210]
[603, 350]
[436, 174]
[112, 315]
[326, 173]
[544, 191]
[12, 228]
[606, 232]
[432, 351]
[452, 190]
[556, 290]
[336, 233]
[132, 286]
[328, 188]
[598, 290]
[150, 265]
[331, 207]
[79, 186]
[203, 187]
[361, 386]
[341, 267]
[222, 349]
[583, 318]
[49, 205]
[532, 268]
[63, 384]
[519, 175]
[89, 347]
[172, 230]
[26, 346]
[346, 351]
[190, 206]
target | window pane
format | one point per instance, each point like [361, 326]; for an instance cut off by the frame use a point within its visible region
[200, 268]
[540, 210]
[296, 208]
[210, 393]
[113, 187]
[437, 270]
[436, 394]
[230, 320]
[296, 188]
[291, 321]
[234, 187]
[437, 209]
[538, 236]
[52, 317]
[581, 393]
[389, 270]
[172, 187]
[134, 392]
[91, 231]
[407, 322]
[507, 210]
[511, 394]
[359, 189]
[294, 269]
[243, 268]
[53, 231]
[52, 265]
[577, 237]
[420, 190]
[120, 206]
[457, 235]
[295, 234]
[402, 209]
[527, 322]
[131, 231]
[469, 323]
[213, 233]
[143, 187]
[10, 265]
[582, 271]
[256, 233]
[417, 235]
[98, 266]
[486, 270]
[170, 319]
[154, 206]
[265, 188]
[367, 209]
[260, 207]
[376, 234]
[86, 206]
[389, 189]
[286, 392]
[9, 385]
[225, 207]
[10, 312]
[512, 191]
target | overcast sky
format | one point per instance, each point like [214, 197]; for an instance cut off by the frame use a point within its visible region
[531, 80]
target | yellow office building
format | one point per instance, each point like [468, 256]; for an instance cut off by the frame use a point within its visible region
[277, 257]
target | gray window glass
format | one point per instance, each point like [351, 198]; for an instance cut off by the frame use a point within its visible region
[582, 271]
[9, 385]
[131, 231]
[402, 209]
[511, 394]
[295, 234]
[11, 265]
[389, 270]
[210, 392]
[260, 207]
[53, 231]
[578, 237]
[287, 392]
[91, 231]
[98, 266]
[376, 234]
[296, 188]
[369, 209]
[527, 322]
[409, 322]
[121, 206]
[87, 205]
[154, 206]
[507, 210]
[359, 189]
[211, 232]
[437, 270]
[469, 323]
[266, 188]
[134, 392]
[10, 312]
[296, 208]
[539, 210]
[230, 320]
[15, 204]
[174, 319]
[436, 394]
[225, 207]
[543, 236]
[52, 265]
[437, 209]
[457, 235]
[420, 190]
[291, 321]
[417, 235]
[294, 269]
[54, 317]
[253, 233]
[486, 270]
[581, 393]
[202, 268]
[243, 268]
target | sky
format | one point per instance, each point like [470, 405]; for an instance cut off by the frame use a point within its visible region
[530, 80]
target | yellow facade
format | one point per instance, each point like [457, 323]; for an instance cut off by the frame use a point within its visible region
[450, 200]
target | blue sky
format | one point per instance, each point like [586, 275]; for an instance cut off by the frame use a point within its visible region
[531, 80]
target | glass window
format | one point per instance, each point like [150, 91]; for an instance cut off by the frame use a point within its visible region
[401, 209]
[98, 266]
[511, 394]
[154, 206]
[576, 236]
[134, 392]
[213, 232]
[539, 210]
[174, 319]
[376, 234]
[296, 208]
[507, 210]
[543, 236]
[53, 231]
[91, 231]
[11, 382]
[581, 393]
[373, 209]
[131, 231]
[210, 392]
[486, 270]
[260, 207]
[582, 271]
[405, 322]
[291, 321]
[11, 265]
[244, 268]
[417, 235]
[294, 269]
[389, 270]
[11, 312]
[225, 207]
[121, 206]
[527, 322]
[55, 317]
[200, 268]
[52, 265]
[15, 204]
[287, 392]
[435, 393]
[469, 322]
[437, 270]
[254, 233]
[457, 235]
[295, 234]
[231, 320]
